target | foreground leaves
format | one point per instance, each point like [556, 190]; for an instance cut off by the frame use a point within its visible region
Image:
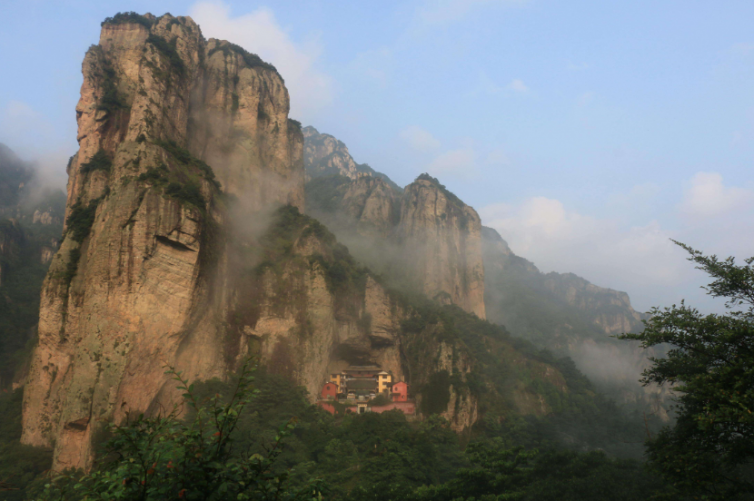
[160, 458]
[709, 452]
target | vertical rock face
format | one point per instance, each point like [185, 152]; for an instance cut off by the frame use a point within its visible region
[424, 233]
[325, 155]
[137, 282]
[11, 241]
[443, 236]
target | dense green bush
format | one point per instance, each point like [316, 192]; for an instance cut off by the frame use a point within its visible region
[100, 161]
[81, 219]
[164, 457]
[74, 256]
[155, 174]
[128, 17]
[186, 159]
[190, 193]
[111, 99]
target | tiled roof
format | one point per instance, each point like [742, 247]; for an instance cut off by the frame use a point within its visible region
[362, 384]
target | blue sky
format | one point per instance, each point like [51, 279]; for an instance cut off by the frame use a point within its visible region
[587, 132]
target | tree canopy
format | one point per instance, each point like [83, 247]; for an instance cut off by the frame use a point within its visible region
[709, 451]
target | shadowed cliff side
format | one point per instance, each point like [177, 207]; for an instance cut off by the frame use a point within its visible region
[422, 237]
[570, 316]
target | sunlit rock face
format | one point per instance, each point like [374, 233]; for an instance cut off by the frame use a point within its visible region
[136, 283]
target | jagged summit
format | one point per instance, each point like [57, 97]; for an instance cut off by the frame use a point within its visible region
[424, 236]
[325, 155]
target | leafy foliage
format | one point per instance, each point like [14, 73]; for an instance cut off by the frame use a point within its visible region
[186, 159]
[710, 449]
[20, 464]
[111, 100]
[189, 193]
[81, 219]
[128, 17]
[165, 458]
[100, 161]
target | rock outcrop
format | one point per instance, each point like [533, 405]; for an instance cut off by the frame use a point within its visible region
[137, 282]
[442, 239]
[325, 155]
[422, 236]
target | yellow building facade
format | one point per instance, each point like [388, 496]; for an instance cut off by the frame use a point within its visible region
[384, 379]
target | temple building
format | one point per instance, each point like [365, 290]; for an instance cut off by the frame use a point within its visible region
[357, 386]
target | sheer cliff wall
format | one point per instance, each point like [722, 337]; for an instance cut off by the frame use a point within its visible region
[137, 282]
[422, 233]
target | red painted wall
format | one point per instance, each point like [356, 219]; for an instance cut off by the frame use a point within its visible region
[400, 392]
[329, 390]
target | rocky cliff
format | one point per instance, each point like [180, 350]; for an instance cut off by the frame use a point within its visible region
[441, 237]
[325, 155]
[138, 280]
[422, 237]
[174, 252]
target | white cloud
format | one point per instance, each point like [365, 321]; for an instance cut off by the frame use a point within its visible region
[259, 32]
[518, 85]
[639, 259]
[706, 196]
[420, 139]
[460, 162]
[32, 137]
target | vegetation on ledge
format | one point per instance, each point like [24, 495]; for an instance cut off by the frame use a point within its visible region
[251, 60]
[81, 219]
[128, 17]
[100, 161]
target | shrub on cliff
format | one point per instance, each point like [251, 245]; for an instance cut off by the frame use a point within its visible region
[100, 161]
[81, 219]
[128, 17]
[164, 457]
